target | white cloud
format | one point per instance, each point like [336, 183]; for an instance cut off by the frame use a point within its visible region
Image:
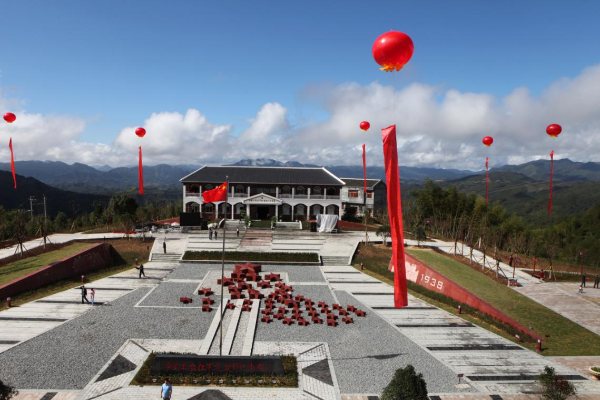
[436, 127]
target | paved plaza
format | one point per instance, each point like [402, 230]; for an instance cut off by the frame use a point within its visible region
[57, 348]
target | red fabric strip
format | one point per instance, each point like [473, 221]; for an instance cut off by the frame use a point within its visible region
[390, 155]
[365, 171]
[487, 180]
[12, 162]
[551, 174]
[141, 173]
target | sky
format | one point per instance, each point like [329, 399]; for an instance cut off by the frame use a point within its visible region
[215, 82]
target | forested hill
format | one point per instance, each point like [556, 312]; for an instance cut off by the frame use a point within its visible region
[56, 199]
[529, 197]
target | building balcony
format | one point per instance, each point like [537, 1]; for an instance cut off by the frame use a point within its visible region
[301, 196]
[192, 194]
[285, 196]
[317, 197]
[333, 197]
[240, 195]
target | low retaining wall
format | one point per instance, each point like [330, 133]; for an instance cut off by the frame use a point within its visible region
[429, 278]
[96, 257]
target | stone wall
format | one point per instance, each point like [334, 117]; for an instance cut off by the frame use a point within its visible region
[96, 257]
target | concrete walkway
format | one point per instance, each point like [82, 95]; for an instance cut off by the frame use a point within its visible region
[490, 363]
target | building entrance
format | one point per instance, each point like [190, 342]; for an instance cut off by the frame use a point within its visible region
[263, 212]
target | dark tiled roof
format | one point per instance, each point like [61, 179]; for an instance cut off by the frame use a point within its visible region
[267, 175]
[359, 182]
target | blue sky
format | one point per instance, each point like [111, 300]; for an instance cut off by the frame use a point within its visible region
[113, 63]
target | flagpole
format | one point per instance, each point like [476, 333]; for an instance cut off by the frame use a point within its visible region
[223, 265]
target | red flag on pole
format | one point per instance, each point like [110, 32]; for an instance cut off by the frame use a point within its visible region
[217, 194]
[390, 155]
[551, 173]
[365, 170]
[141, 173]
[12, 162]
[487, 180]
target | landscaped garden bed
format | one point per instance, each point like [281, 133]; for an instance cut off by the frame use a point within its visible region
[290, 378]
[250, 256]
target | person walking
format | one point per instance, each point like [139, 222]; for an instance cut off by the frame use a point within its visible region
[216, 234]
[84, 294]
[166, 390]
[209, 233]
[92, 295]
[165, 246]
[597, 282]
[142, 271]
[583, 277]
[237, 232]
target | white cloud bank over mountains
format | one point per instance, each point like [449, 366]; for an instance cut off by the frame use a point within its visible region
[436, 127]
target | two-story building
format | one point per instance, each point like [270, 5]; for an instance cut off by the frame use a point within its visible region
[353, 195]
[264, 192]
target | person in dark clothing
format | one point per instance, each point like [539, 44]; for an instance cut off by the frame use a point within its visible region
[510, 261]
[597, 282]
[84, 294]
[237, 232]
[164, 246]
[142, 271]
[216, 234]
[583, 280]
[210, 234]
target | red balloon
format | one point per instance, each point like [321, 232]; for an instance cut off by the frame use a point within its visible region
[140, 132]
[365, 126]
[10, 117]
[488, 140]
[392, 50]
[554, 130]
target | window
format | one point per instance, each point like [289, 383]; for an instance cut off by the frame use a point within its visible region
[369, 195]
[353, 194]
[300, 190]
[209, 208]
[208, 187]
[193, 189]
[316, 190]
[192, 207]
[286, 190]
[239, 189]
[331, 191]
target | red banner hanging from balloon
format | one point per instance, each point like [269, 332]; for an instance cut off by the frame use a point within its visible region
[12, 162]
[551, 174]
[394, 197]
[365, 171]
[487, 180]
[141, 173]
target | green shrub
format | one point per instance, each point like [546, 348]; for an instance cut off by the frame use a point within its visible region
[555, 387]
[7, 391]
[406, 385]
[250, 256]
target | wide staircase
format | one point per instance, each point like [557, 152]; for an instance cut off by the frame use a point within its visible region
[257, 239]
[334, 260]
[165, 257]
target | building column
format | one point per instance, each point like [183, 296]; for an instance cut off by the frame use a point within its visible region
[277, 211]
[325, 193]
[308, 192]
[308, 212]
[248, 191]
[248, 209]
[232, 211]
[293, 192]
[292, 217]
[277, 192]
[340, 212]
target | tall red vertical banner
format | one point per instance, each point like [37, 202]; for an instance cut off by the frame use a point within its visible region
[365, 171]
[141, 173]
[487, 180]
[394, 198]
[551, 174]
[12, 162]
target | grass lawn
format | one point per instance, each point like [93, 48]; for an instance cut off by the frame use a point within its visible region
[20, 268]
[566, 337]
[129, 250]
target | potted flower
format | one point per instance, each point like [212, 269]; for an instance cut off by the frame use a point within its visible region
[595, 371]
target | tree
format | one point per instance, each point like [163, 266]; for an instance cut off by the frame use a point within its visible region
[384, 231]
[122, 204]
[420, 234]
[555, 387]
[406, 385]
[6, 391]
[349, 214]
